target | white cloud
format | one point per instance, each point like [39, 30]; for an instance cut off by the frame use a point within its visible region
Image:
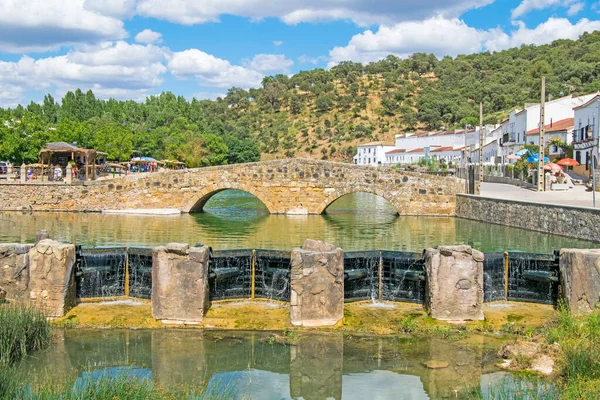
[361, 12]
[269, 63]
[575, 9]
[304, 59]
[544, 33]
[116, 69]
[450, 37]
[527, 6]
[436, 35]
[41, 25]
[211, 71]
[277, 42]
[112, 8]
[148, 36]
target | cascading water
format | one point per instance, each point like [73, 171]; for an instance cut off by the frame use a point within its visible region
[494, 277]
[403, 276]
[230, 274]
[140, 272]
[361, 275]
[101, 273]
[272, 274]
[533, 277]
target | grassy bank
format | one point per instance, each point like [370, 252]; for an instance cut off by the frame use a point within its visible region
[578, 340]
[22, 330]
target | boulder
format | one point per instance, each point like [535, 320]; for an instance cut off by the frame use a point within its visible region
[180, 283]
[317, 285]
[580, 279]
[454, 283]
[51, 277]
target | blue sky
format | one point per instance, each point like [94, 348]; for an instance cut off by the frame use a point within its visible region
[129, 49]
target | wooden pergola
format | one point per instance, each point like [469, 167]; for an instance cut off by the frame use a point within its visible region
[61, 153]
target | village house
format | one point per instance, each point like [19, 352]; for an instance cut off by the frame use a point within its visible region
[372, 153]
[585, 133]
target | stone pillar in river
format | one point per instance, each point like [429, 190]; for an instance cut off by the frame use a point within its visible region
[180, 283]
[51, 277]
[316, 363]
[14, 271]
[580, 279]
[317, 284]
[454, 283]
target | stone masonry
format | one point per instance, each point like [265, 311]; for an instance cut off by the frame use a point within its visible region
[580, 279]
[454, 284]
[14, 271]
[291, 186]
[51, 277]
[317, 285]
[180, 283]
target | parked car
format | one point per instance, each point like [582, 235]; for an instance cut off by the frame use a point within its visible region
[4, 167]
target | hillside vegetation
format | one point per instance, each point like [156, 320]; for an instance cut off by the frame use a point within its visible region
[319, 114]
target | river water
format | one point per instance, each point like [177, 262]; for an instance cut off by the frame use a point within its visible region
[250, 365]
[236, 219]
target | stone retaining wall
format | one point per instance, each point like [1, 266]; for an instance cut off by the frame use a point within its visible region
[575, 222]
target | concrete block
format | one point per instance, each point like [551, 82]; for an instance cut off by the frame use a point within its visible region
[580, 279]
[317, 285]
[454, 283]
[180, 283]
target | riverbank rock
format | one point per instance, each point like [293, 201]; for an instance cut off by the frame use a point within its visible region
[180, 283]
[526, 356]
[52, 277]
[580, 279]
[317, 285]
[454, 284]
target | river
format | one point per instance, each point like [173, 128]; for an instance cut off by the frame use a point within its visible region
[236, 219]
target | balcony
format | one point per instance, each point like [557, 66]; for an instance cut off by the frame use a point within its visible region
[584, 144]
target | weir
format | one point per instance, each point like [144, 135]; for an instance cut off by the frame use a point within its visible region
[265, 274]
[380, 275]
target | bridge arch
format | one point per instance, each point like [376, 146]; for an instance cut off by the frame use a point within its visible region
[201, 198]
[379, 193]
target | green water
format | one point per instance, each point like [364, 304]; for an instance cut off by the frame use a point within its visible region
[247, 365]
[235, 219]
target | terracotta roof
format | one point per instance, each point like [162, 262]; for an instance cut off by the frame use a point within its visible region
[396, 151]
[558, 126]
[447, 148]
[416, 151]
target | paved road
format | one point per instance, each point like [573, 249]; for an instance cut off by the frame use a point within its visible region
[577, 196]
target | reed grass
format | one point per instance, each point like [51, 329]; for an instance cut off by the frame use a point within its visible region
[22, 330]
[106, 387]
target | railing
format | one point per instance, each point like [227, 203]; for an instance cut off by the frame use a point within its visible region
[265, 274]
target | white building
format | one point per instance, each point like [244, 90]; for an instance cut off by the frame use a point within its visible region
[372, 154]
[585, 133]
[562, 130]
[520, 122]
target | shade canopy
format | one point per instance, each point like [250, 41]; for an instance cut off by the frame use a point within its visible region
[143, 159]
[535, 158]
[568, 162]
[521, 152]
[552, 167]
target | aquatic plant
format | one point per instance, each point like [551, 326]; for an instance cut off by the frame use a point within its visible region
[22, 331]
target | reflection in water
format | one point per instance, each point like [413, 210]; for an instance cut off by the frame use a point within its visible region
[235, 219]
[315, 366]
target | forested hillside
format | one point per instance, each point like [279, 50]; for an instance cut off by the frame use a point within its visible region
[320, 114]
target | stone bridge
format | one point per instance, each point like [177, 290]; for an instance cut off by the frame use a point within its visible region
[290, 186]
